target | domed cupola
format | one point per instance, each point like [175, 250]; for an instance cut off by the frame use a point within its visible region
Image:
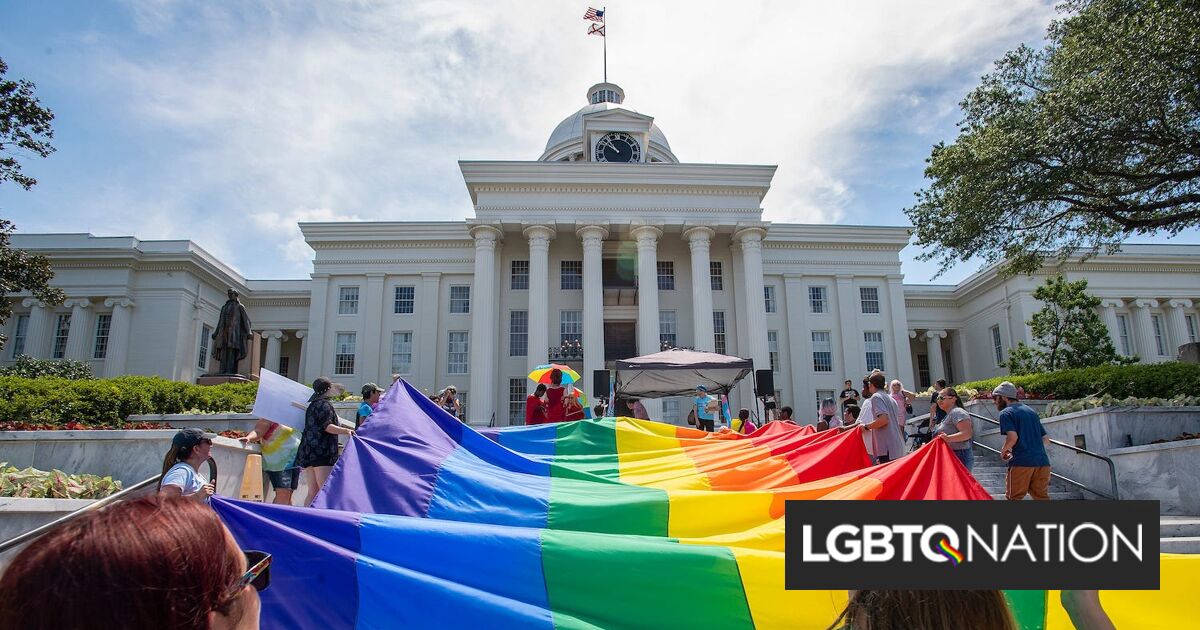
[605, 130]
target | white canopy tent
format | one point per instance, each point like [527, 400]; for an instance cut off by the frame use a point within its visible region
[677, 373]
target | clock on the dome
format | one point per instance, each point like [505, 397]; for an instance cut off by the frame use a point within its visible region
[618, 146]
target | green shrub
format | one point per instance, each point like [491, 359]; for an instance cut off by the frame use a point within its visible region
[60, 400]
[30, 367]
[1152, 380]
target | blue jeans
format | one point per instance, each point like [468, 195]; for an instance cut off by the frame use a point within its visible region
[966, 456]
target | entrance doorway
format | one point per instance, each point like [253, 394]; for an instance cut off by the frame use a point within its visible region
[620, 341]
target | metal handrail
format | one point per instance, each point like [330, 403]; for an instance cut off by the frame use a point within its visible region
[1112, 468]
[125, 493]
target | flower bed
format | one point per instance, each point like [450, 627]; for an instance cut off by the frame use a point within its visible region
[54, 400]
[31, 483]
[1155, 380]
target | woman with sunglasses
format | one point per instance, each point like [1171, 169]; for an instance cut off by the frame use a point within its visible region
[956, 429]
[152, 562]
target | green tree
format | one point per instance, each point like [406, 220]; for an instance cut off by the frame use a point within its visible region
[1067, 332]
[24, 130]
[1076, 146]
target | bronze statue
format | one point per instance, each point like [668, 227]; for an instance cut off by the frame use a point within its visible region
[231, 340]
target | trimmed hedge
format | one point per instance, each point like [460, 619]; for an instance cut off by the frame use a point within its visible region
[1152, 380]
[55, 400]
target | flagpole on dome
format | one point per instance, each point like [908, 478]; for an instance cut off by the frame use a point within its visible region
[604, 36]
[598, 16]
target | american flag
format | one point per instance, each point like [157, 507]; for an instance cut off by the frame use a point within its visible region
[596, 29]
[595, 16]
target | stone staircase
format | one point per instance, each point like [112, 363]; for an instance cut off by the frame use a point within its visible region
[1177, 534]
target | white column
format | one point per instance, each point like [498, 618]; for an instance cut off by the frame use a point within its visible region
[1108, 312]
[853, 361]
[647, 237]
[1143, 328]
[750, 239]
[539, 300]
[77, 336]
[118, 336]
[1177, 325]
[483, 325]
[274, 347]
[647, 281]
[799, 340]
[593, 303]
[314, 366]
[699, 242]
[372, 337]
[37, 335]
[302, 335]
[427, 346]
[904, 369]
[933, 348]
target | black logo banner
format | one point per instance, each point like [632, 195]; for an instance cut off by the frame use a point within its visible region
[972, 545]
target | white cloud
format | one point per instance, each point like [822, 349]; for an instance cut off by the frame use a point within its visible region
[360, 110]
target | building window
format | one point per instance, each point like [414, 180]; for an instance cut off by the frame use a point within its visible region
[205, 335]
[516, 401]
[1160, 344]
[719, 332]
[824, 394]
[997, 345]
[1191, 327]
[571, 275]
[343, 354]
[769, 298]
[923, 371]
[667, 329]
[773, 349]
[460, 299]
[520, 275]
[666, 275]
[1123, 335]
[873, 342]
[716, 279]
[870, 299]
[19, 333]
[570, 327]
[404, 299]
[822, 351]
[348, 301]
[62, 327]
[816, 299]
[103, 325]
[402, 352]
[670, 410]
[456, 359]
[518, 333]
[284, 365]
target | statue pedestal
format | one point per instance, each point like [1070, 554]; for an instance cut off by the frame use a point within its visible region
[221, 379]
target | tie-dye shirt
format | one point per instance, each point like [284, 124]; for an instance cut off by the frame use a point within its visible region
[279, 447]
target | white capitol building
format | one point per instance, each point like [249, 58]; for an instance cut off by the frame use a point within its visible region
[606, 242]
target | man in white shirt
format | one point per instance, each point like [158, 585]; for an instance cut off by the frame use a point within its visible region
[883, 431]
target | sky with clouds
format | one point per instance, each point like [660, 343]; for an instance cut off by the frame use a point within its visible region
[226, 123]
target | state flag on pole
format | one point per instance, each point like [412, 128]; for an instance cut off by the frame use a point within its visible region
[595, 15]
[596, 29]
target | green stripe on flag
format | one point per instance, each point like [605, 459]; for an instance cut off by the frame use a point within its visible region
[605, 581]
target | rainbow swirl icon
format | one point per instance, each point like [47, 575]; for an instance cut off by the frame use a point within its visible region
[955, 555]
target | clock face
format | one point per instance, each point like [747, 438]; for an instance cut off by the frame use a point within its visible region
[618, 147]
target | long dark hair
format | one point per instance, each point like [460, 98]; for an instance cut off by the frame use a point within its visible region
[151, 562]
[927, 610]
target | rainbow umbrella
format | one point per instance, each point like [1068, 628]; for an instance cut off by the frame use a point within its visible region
[541, 373]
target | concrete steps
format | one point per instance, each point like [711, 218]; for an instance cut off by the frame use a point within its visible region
[1177, 534]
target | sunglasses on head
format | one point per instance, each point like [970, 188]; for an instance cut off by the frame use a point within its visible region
[259, 573]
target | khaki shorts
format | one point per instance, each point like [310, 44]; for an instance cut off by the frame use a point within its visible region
[1022, 480]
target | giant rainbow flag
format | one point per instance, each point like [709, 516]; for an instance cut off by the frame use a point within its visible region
[611, 523]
